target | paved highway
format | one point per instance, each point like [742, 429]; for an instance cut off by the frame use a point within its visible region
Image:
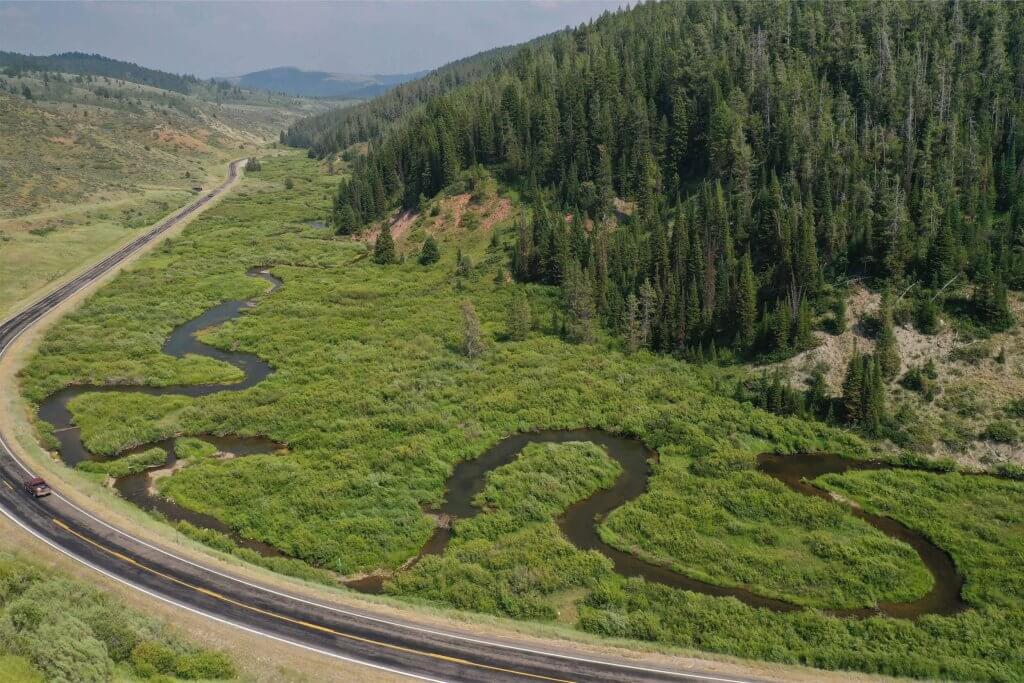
[398, 646]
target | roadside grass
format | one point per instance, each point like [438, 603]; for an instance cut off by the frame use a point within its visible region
[58, 629]
[376, 405]
[38, 249]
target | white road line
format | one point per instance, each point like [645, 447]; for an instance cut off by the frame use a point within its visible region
[312, 603]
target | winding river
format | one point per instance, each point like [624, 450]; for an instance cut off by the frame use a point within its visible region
[578, 523]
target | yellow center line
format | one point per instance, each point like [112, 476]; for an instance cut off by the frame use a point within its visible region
[298, 622]
[8, 484]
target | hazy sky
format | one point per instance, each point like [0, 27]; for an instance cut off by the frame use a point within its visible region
[231, 38]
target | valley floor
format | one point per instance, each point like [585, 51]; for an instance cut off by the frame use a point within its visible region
[376, 404]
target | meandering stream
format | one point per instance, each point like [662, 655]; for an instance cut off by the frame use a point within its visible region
[578, 523]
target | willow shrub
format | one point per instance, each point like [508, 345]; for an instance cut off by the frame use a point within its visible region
[56, 629]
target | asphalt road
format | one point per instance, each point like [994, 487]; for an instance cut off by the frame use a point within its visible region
[398, 646]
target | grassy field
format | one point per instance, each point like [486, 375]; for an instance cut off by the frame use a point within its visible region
[88, 165]
[377, 403]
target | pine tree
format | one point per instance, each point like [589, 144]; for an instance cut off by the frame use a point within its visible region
[941, 257]
[345, 220]
[817, 392]
[746, 305]
[694, 323]
[887, 348]
[430, 253]
[853, 389]
[578, 303]
[803, 335]
[781, 325]
[648, 306]
[874, 396]
[384, 247]
[634, 326]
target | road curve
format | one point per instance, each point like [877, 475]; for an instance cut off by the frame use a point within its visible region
[392, 645]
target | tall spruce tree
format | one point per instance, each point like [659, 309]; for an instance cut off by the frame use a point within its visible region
[384, 247]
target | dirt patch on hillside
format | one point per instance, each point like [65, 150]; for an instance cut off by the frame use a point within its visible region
[399, 226]
[176, 138]
[453, 214]
[461, 212]
[972, 391]
[834, 351]
[501, 211]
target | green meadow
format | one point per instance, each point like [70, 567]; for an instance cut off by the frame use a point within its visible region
[377, 402]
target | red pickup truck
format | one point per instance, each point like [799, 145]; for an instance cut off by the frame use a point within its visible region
[37, 487]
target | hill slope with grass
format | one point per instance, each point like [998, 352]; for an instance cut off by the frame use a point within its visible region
[88, 161]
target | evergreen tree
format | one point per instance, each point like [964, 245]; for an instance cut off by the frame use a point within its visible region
[886, 347]
[803, 334]
[853, 389]
[874, 396]
[429, 253]
[634, 325]
[578, 304]
[818, 401]
[941, 257]
[345, 221]
[746, 305]
[648, 304]
[781, 325]
[384, 247]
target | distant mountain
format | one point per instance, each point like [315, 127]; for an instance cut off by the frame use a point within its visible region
[295, 81]
[335, 129]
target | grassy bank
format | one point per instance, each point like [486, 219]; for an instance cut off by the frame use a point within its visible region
[377, 403]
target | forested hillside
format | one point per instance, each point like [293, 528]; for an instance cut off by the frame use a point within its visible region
[769, 149]
[334, 130]
[81, 64]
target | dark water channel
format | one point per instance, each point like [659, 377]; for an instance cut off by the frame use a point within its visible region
[182, 341]
[579, 522]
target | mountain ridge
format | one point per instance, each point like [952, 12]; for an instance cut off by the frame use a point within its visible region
[293, 80]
